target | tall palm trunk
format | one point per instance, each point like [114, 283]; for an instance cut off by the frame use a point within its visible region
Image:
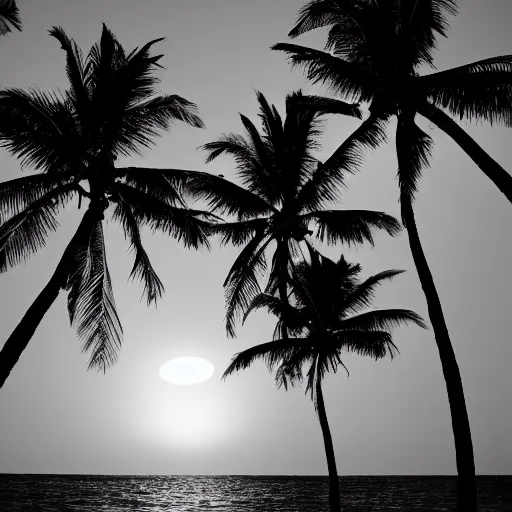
[501, 178]
[283, 281]
[334, 485]
[466, 484]
[22, 334]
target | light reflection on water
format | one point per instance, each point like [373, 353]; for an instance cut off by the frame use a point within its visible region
[47, 493]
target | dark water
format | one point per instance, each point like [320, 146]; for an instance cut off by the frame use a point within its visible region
[27, 493]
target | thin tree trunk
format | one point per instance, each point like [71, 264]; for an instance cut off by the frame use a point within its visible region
[492, 169]
[283, 285]
[466, 485]
[22, 334]
[334, 485]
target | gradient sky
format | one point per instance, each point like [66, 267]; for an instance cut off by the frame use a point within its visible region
[388, 417]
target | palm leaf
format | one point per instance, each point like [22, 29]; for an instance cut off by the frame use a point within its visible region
[481, 90]
[183, 224]
[420, 21]
[138, 125]
[363, 294]
[19, 193]
[322, 105]
[26, 232]
[225, 197]
[91, 301]
[374, 343]
[39, 129]
[142, 268]
[413, 147]
[384, 319]
[271, 353]
[352, 226]
[75, 70]
[241, 284]
[9, 17]
[342, 77]
[164, 184]
[239, 233]
[329, 177]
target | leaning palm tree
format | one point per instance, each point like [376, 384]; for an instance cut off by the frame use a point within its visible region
[284, 193]
[326, 317]
[9, 17]
[373, 52]
[73, 140]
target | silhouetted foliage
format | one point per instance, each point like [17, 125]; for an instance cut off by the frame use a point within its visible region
[327, 317]
[284, 194]
[9, 17]
[373, 53]
[73, 139]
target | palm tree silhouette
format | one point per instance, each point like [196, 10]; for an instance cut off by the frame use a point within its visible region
[9, 17]
[326, 317]
[373, 52]
[284, 194]
[73, 140]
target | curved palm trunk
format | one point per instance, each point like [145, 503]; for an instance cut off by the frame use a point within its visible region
[22, 334]
[466, 484]
[334, 485]
[501, 178]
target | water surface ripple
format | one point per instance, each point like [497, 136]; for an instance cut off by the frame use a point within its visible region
[46, 493]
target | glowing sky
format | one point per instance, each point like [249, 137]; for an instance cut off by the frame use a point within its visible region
[388, 417]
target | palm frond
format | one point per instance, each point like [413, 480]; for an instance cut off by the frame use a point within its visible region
[342, 77]
[271, 353]
[19, 193]
[293, 318]
[413, 147]
[39, 129]
[133, 129]
[249, 169]
[480, 90]
[239, 233]
[164, 184]
[329, 177]
[271, 121]
[75, 70]
[363, 294]
[376, 344]
[185, 225]
[322, 13]
[9, 17]
[421, 20]
[26, 232]
[241, 284]
[296, 161]
[381, 319]
[352, 226]
[225, 197]
[323, 105]
[142, 268]
[91, 301]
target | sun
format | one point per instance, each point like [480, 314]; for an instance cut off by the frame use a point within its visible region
[186, 371]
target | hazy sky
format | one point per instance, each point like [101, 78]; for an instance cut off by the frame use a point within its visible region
[388, 417]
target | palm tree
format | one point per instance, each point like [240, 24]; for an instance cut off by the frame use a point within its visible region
[373, 52]
[9, 17]
[73, 140]
[284, 194]
[326, 318]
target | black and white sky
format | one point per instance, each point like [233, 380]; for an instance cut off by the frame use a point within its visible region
[387, 417]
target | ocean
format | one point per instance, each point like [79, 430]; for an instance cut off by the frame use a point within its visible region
[45, 493]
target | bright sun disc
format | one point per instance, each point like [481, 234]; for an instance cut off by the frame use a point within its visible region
[185, 371]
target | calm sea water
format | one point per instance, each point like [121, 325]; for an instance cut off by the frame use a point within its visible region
[32, 493]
